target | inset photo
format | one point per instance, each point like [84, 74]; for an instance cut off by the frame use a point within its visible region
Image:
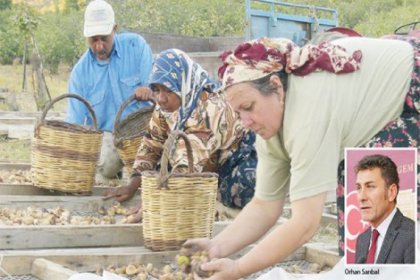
[380, 206]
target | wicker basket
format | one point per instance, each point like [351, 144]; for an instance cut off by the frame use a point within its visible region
[129, 132]
[177, 207]
[64, 156]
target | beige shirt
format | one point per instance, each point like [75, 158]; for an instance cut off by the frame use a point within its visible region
[325, 112]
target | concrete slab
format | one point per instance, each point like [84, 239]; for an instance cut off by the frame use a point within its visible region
[20, 134]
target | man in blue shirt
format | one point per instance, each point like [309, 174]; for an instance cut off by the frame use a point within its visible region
[107, 74]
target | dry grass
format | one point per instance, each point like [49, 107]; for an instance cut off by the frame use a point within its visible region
[11, 79]
[15, 150]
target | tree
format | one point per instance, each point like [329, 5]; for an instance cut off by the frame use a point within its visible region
[27, 22]
[5, 4]
[10, 39]
[383, 23]
[70, 5]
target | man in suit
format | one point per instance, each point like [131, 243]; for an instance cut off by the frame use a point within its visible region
[391, 236]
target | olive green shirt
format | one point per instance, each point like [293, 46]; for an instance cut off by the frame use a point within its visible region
[325, 112]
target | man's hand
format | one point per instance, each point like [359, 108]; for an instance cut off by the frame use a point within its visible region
[144, 94]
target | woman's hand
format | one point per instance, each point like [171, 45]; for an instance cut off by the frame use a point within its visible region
[219, 268]
[222, 269]
[120, 194]
[204, 244]
[125, 192]
[135, 216]
[144, 93]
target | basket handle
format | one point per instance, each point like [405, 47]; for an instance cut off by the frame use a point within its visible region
[125, 104]
[168, 146]
[52, 102]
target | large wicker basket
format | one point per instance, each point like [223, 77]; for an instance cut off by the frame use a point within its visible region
[64, 155]
[177, 207]
[129, 132]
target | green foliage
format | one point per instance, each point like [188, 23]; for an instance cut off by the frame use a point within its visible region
[26, 19]
[59, 32]
[58, 36]
[354, 12]
[385, 23]
[71, 5]
[184, 17]
[10, 39]
[298, 10]
[5, 4]
[18, 24]
[60, 39]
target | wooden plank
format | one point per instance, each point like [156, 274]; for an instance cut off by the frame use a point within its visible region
[21, 132]
[30, 190]
[22, 189]
[72, 203]
[17, 120]
[46, 270]
[46, 237]
[15, 165]
[56, 236]
[90, 259]
[4, 132]
[323, 254]
[72, 236]
[19, 262]
[33, 237]
[21, 114]
[329, 220]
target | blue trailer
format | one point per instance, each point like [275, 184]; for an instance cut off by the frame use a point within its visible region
[299, 23]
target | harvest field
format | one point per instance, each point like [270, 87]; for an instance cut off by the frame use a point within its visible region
[49, 234]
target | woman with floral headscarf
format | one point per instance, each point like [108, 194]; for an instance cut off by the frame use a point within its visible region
[306, 105]
[187, 100]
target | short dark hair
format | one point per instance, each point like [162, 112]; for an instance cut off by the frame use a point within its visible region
[389, 171]
[265, 87]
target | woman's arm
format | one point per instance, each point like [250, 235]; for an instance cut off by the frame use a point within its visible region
[255, 219]
[150, 150]
[276, 246]
[286, 238]
[147, 157]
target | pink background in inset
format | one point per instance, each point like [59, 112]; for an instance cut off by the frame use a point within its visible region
[405, 159]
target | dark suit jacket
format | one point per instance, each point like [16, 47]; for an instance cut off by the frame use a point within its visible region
[398, 245]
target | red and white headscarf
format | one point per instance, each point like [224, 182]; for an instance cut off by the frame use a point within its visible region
[257, 58]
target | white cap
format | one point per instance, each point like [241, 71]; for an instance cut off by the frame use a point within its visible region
[99, 19]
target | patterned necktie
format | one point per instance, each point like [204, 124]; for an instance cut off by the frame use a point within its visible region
[372, 250]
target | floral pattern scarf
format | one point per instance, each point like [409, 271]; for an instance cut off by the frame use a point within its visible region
[257, 58]
[175, 70]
